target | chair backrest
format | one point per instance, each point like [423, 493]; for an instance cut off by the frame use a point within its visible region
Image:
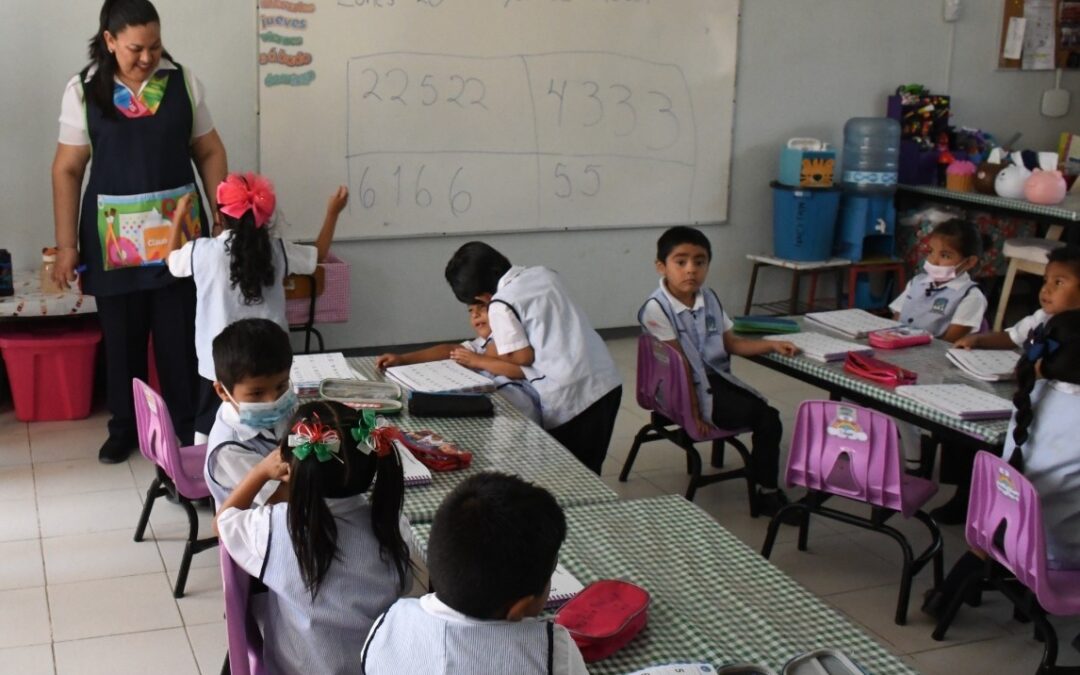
[847, 450]
[662, 385]
[244, 639]
[1002, 497]
[158, 441]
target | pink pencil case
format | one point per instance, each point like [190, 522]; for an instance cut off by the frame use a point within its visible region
[898, 338]
[604, 617]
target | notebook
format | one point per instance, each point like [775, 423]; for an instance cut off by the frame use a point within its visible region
[822, 347]
[854, 323]
[991, 365]
[309, 370]
[440, 377]
[764, 325]
[959, 400]
[563, 587]
[415, 472]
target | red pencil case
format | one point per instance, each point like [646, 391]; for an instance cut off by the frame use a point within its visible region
[898, 338]
[435, 452]
[879, 371]
[604, 617]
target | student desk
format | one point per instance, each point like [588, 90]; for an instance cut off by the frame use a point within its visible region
[928, 361]
[713, 598]
[507, 442]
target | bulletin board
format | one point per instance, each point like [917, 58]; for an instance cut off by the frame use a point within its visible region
[1050, 35]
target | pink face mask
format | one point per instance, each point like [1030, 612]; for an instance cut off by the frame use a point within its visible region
[939, 274]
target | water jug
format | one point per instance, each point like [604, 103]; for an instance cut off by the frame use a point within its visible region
[871, 155]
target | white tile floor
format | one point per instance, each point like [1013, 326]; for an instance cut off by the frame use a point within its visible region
[77, 595]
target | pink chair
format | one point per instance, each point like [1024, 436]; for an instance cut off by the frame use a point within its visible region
[244, 638]
[841, 449]
[1004, 520]
[663, 389]
[179, 472]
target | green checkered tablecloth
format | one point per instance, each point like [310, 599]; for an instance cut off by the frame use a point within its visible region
[932, 366]
[713, 598]
[1068, 210]
[507, 442]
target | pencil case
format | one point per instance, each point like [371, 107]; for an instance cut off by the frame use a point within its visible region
[450, 405]
[876, 370]
[745, 669]
[829, 661]
[382, 397]
[434, 451]
[604, 617]
[898, 338]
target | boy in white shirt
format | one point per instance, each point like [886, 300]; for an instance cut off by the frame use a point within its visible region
[493, 547]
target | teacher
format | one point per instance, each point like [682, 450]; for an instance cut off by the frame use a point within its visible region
[142, 119]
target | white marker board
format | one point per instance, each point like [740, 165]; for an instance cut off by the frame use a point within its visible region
[472, 116]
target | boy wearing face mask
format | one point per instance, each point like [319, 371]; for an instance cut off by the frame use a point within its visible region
[944, 299]
[252, 358]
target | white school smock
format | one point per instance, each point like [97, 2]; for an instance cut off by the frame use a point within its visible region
[970, 308]
[423, 636]
[1052, 464]
[218, 304]
[1019, 333]
[519, 393]
[233, 450]
[572, 368]
[301, 635]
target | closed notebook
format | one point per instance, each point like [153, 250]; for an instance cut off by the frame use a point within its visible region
[414, 472]
[564, 586]
[823, 347]
[854, 323]
[764, 325]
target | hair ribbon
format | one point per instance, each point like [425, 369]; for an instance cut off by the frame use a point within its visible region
[1039, 344]
[314, 437]
[238, 194]
[372, 434]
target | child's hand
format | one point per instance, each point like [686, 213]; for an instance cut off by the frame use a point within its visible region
[703, 427]
[273, 467]
[384, 361]
[338, 200]
[183, 206]
[465, 357]
[784, 347]
[967, 342]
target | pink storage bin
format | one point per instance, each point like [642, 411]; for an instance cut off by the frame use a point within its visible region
[332, 304]
[51, 371]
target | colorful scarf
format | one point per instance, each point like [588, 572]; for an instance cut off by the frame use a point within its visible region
[147, 102]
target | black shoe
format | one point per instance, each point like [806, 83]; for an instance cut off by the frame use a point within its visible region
[115, 450]
[952, 512]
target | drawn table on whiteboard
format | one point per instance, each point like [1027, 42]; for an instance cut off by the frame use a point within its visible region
[556, 129]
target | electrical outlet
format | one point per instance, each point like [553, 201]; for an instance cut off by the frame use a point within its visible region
[951, 10]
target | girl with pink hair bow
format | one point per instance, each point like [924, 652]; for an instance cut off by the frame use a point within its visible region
[240, 273]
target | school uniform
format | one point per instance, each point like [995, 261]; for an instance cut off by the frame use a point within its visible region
[418, 636]
[219, 304]
[573, 373]
[934, 307]
[234, 449]
[320, 636]
[519, 393]
[724, 399]
[1019, 333]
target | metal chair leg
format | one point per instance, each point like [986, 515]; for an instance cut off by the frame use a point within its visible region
[717, 459]
[947, 616]
[153, 492]
[639, 438]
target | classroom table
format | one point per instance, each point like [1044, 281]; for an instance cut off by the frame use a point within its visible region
[29, 302]
[932, 367]
[713, 598]
[508, 442]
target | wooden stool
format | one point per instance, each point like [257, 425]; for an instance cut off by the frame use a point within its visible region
[1026, 254]
[882, 265]
[798, 268]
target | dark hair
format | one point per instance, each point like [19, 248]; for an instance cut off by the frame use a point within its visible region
[1067, 255]
[312, 526]
[116, 15]
[250, 348]
[474, 269]
[962, 235]
[251, 261]
[495, 540]
[680, 234]
[1060, 356]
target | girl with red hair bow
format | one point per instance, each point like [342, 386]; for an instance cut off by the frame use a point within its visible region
[240, 273]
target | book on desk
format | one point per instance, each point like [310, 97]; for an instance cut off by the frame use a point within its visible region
[821, 347]
[441, 377]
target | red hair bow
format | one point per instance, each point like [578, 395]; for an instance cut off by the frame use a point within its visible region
[238, 194]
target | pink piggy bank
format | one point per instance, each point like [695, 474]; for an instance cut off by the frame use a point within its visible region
[1045, 187]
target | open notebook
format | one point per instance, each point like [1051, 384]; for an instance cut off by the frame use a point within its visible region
[854, 323]
[990, 365]
[309, 370]
[563, 587]
[959, 400]
[415, 472]
[822, 347]
[440, 377]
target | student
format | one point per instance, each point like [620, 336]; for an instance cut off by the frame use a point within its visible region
[241, 272]
[1041, 442]
[252, 358]
[536, 325]
[332, 558]
[493, 547]
[1060, 293]
[944, 299]
[478, 354]
[681, 313]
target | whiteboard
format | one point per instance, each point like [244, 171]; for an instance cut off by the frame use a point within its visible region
[472, 116]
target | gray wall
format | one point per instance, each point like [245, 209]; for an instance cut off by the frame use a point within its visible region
[805, 66]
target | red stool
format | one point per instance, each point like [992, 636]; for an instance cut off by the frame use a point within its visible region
[881, 265]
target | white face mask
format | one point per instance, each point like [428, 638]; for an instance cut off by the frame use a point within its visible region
[939, 274]
[269, 415]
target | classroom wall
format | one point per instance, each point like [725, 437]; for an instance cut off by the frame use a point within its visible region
[804, 68]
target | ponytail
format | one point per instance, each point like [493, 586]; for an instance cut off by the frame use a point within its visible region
[115, 16]
[251, 260]
[387, 497]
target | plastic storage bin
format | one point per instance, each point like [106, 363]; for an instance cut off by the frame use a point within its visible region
[803, 222]
[332, 304]
[51, 371]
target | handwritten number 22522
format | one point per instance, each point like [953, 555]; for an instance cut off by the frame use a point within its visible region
[462, 89]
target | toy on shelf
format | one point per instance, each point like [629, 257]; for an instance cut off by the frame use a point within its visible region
[1010, 181]
[1045, 187]
[987, 172]
[960, 176]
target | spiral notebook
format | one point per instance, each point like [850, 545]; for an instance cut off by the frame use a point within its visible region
[415, 473]
[564, 586]
[441, 377]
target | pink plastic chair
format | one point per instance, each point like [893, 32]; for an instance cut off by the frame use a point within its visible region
[179, 472]
[1004, 520]
[244, 638]
[663, 389]
[841, 449]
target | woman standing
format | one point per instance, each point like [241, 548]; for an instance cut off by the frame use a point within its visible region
[142, 119]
